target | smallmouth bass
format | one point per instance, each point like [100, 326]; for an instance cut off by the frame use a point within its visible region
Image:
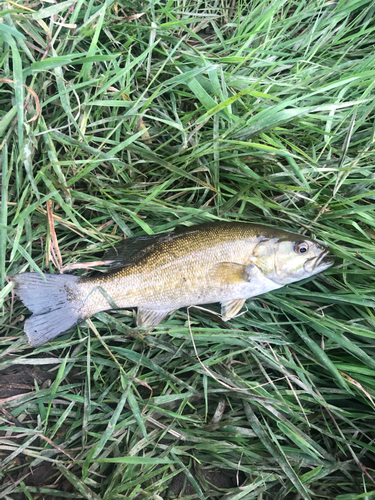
[226, 262]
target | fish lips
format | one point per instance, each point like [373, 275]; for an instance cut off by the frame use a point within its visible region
[317, 264]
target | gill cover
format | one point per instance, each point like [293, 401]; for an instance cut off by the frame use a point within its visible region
[285, 261]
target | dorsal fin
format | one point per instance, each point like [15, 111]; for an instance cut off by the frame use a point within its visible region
[131, 250]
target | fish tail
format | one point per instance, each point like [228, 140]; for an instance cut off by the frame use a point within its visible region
[55, 301]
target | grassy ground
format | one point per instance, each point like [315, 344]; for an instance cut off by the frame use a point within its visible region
[137, 117]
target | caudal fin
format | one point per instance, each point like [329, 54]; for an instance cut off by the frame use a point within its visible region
[55, 302]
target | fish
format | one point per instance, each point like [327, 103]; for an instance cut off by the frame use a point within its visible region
[226, 262]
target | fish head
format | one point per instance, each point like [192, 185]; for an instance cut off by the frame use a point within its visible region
[285, 260]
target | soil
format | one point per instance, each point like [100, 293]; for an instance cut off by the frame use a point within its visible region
[213, 482]
[14, 381]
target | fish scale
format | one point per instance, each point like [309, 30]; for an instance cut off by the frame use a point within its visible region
[224, 262]
[177, 272]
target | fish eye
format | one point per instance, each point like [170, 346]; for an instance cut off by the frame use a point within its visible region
[301, 247]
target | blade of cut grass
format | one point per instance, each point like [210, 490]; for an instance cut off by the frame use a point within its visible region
[3, 211]
[134, 460]
[58, 61]
[322, 357]
[10, 31]
[82, 488]
[52, 10]
[18, 87]
[271, 448]
[98, 27]
[111, 426]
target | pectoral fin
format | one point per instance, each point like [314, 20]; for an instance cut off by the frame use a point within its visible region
[230, 308]
[151, 317]
[231, 272]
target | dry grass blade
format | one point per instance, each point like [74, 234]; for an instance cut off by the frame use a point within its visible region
[53, 250]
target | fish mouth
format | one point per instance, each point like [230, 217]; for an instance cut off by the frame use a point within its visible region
[319, 263]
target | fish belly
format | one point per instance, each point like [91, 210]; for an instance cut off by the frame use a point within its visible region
[172, 287]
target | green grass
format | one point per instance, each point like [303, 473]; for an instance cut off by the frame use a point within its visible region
[192, 111]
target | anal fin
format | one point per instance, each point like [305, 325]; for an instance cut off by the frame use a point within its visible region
[151, 317]
[230, 308]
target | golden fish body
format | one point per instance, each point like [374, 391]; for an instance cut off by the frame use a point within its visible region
[225, 262]
[198, 267]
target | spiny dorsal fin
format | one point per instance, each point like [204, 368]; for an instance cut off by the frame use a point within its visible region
[130, 250]
[133, 249]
